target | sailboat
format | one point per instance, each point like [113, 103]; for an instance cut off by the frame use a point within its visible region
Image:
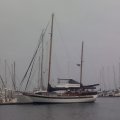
[73, 94]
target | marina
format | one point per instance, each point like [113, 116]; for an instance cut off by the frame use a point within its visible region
[59, 60]
[73, 94]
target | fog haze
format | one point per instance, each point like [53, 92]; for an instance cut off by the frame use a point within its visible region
[97, 23]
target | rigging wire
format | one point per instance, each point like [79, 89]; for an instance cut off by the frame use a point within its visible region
[10, 72]
[39, 42]
[30, 63]
[2, 81]
[34, 70]
[65, 46]
[30, 74]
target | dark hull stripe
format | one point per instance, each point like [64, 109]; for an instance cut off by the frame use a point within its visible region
[58, 97]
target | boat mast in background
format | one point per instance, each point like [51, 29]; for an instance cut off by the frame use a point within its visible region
[114, 75]
[5, 75]
[119, 75]
[3, 83]
[13, 76]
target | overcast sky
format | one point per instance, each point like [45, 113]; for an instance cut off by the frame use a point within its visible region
[96, 22]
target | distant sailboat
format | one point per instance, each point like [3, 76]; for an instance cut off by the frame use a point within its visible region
[73, 94]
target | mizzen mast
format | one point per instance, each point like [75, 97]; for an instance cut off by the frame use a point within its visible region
[81, 65]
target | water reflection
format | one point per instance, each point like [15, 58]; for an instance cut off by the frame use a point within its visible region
[102, 109]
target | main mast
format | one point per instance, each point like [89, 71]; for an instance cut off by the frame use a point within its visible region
[40, 68]
[50, 52]
[81, 65]
[42, 62]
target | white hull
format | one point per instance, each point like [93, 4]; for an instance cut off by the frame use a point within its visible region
[117, 94]
[23, 99]
[61, 99]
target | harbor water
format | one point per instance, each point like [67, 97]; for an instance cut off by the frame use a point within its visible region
[103, 109]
